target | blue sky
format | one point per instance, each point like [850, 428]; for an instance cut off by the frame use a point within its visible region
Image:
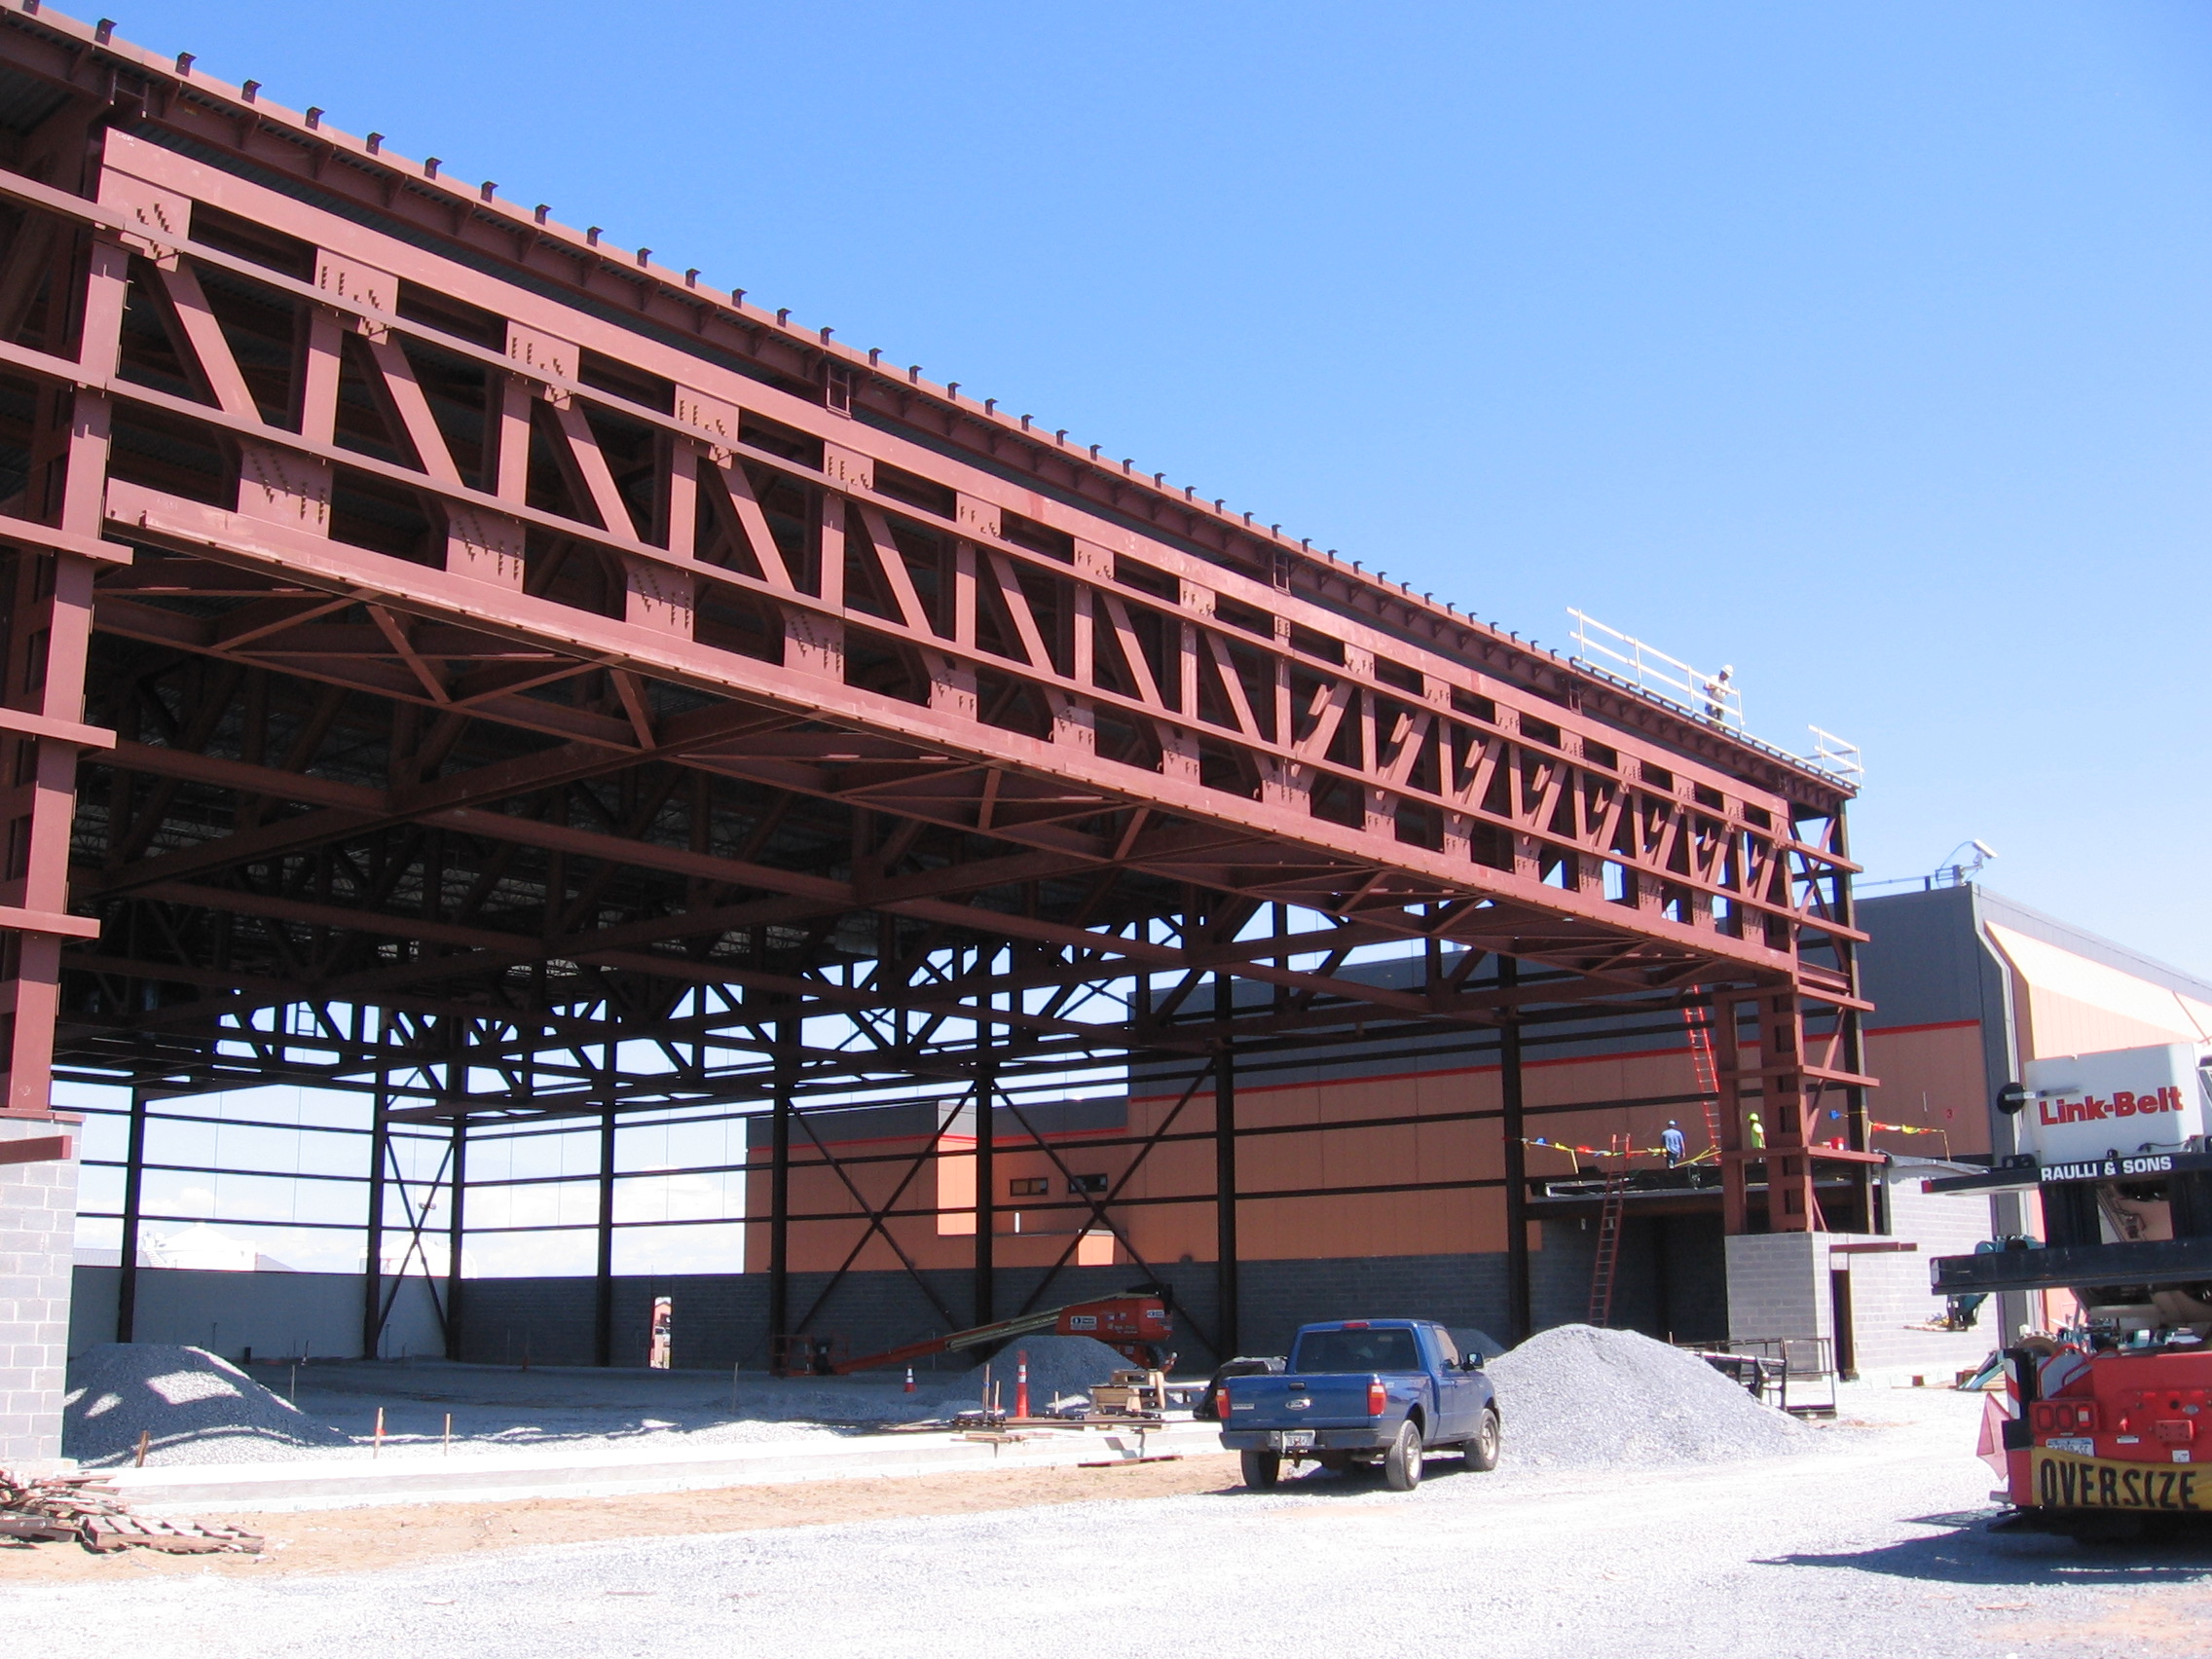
[1864, 348]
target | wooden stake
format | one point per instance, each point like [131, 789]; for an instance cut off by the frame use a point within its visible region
[376, 1446]
[145, 1439]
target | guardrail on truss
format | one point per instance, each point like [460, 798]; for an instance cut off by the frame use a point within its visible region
[1712, 697]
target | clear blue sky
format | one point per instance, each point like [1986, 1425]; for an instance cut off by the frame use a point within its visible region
[1864, 346]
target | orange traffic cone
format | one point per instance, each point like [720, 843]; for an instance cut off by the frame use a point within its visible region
[909, 1379]
[1022, 1385]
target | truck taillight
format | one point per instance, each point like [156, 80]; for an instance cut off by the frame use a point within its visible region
[1377, 1398]
[2064, 1416]
[1221, 1404]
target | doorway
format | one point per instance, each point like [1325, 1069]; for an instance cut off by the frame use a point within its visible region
[1839, 1306]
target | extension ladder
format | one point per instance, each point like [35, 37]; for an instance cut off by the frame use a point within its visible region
[1603, 1272]
[1699, 1022]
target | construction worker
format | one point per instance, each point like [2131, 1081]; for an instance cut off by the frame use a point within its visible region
[1754, 1134]
[1672, 1144]
[1716, 694]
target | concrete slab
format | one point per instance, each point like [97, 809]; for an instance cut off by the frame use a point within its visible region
[478, 1477]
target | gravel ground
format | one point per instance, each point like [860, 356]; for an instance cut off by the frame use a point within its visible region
[1864, 1547]
[499, 1408]
[235, 1416]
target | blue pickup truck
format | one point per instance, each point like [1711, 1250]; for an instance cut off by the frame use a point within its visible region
[1362, 1392]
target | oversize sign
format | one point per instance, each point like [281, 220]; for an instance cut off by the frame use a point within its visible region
[2065, 1481]
[2129, 1102]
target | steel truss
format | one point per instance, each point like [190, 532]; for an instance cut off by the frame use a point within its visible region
[418, 609]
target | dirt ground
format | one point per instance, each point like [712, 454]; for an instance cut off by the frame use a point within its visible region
[2171, 1625]
[346, 1540]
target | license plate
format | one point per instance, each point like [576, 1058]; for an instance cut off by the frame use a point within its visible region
[2079, 1448]
[2063, 1481]
[1291, 1439]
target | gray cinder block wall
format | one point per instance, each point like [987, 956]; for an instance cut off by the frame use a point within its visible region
[1780, 1285]
[38, 1235]
[274, 1314]
[722, 1320]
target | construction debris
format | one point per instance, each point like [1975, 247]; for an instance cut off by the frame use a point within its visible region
[84, 1509]
[1061, 1370]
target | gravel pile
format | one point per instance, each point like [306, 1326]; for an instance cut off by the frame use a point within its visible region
[196, 1408]
[1578, 1397]
[1060, 1368]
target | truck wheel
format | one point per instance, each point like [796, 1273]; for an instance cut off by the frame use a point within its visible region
[1401, 1464]
[1262, 1469]
[1482, 1450]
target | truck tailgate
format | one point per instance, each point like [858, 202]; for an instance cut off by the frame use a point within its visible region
[1337, 1400]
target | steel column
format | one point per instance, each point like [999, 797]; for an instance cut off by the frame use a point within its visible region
[1873, 1191]
[1736, 1153]
[603, 1273]
[780, 1186]
[372, 1265]
[133, 1185]
[1791, 1205]
[1225, 1169]
[1514, 1127]
[987, 1171]
[456, 1197]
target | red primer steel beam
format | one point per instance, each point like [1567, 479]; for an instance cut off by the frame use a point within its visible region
[42, 1149]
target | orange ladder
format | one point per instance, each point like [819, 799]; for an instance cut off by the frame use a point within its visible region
[1699, 1022]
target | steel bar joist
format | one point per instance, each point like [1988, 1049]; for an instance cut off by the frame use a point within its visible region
[415, 605]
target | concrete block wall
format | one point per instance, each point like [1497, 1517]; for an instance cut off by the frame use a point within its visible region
[1778, 1286]
[38, 1236]
[1889, 1294]
[722, 1320]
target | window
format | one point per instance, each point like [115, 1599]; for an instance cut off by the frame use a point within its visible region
[1389, 1349]
[1077, 1184]
[1029, 1186]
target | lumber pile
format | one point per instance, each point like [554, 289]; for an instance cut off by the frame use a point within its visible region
[84, 1509]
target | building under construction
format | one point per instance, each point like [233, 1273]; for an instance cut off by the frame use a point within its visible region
[534, 779]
